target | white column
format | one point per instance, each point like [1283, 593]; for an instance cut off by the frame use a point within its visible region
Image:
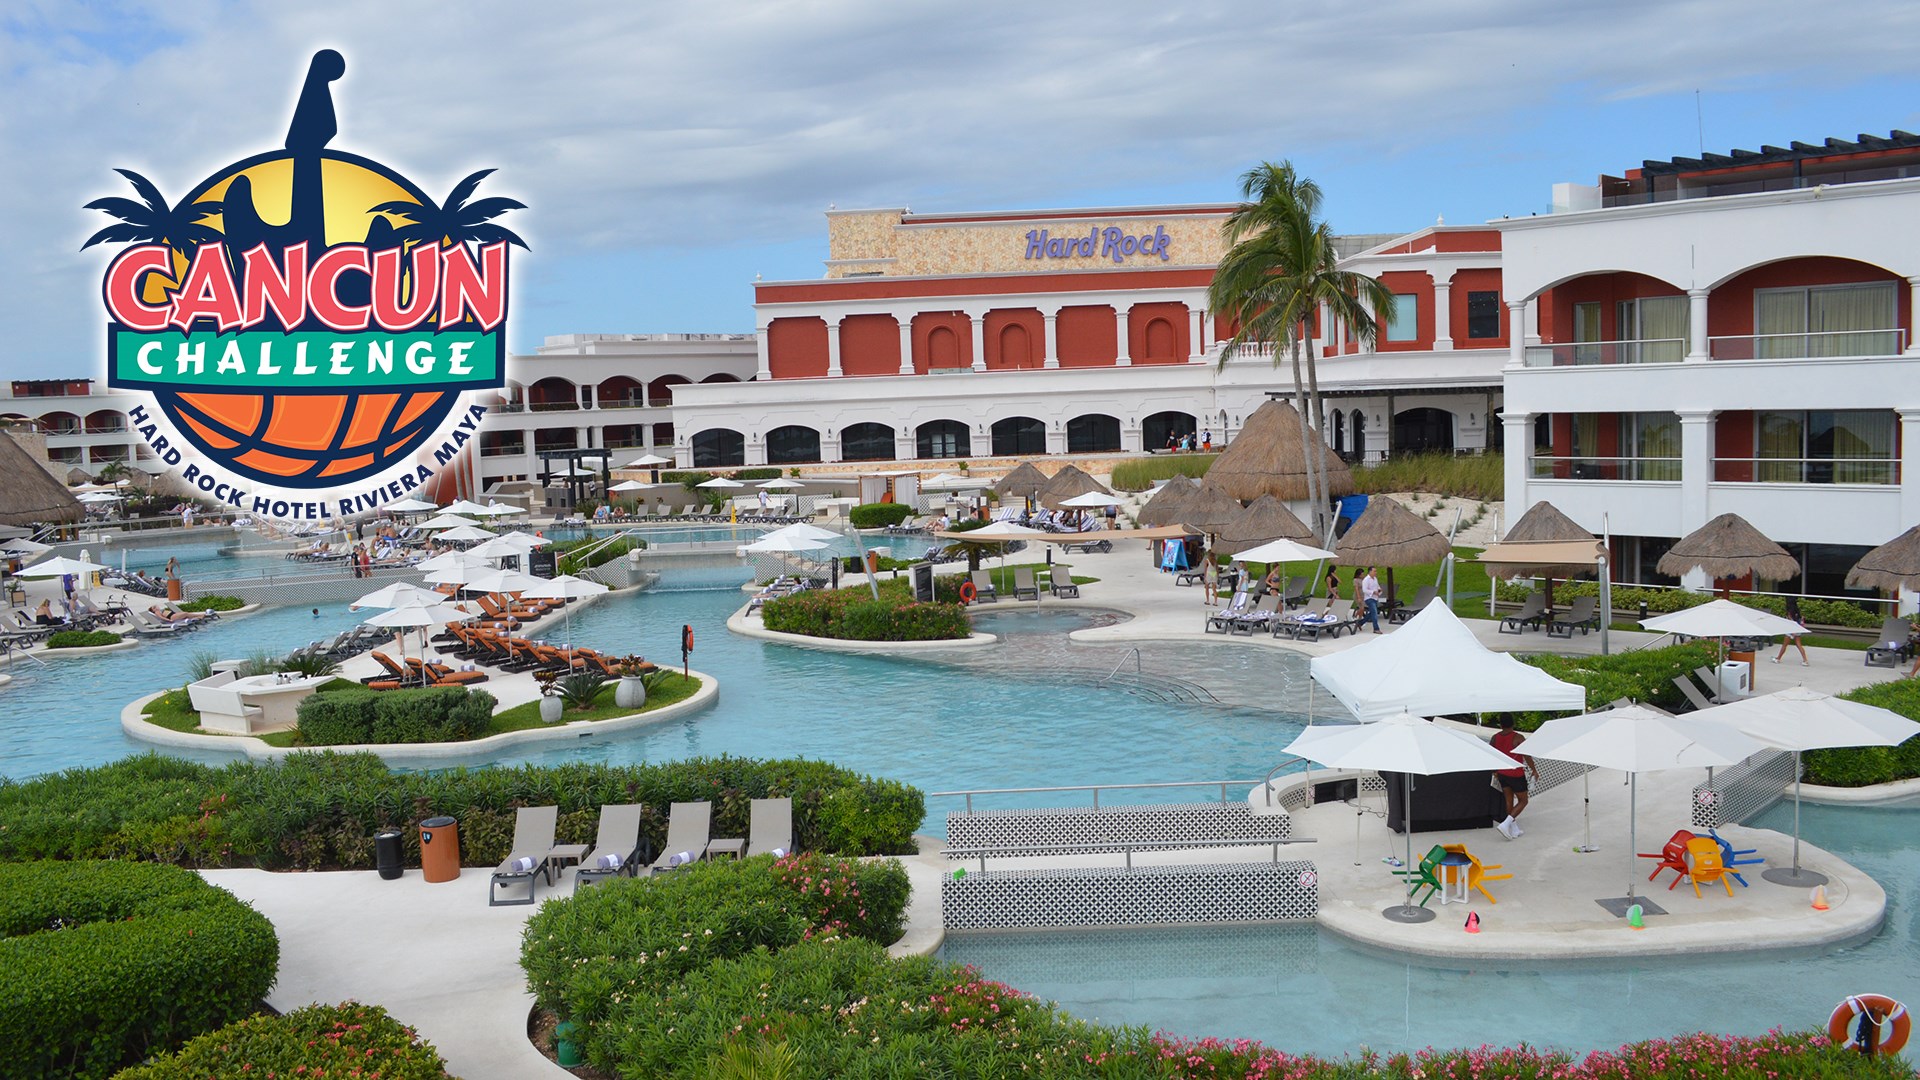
[1323, 329]
[1696, 326]
[580, 395]
[1516, 334]
[1443, 316]
[1696, 472]
[1533, 323]
[979, 341]
[1913, 339]
[1120, 357]
[1373, 319]
[1196, 329]
[906, 343]
[1910, 464]
[1519, 462]
[833, 346]
[1052, 356]
[761, 369]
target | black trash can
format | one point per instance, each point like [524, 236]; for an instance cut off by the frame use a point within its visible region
[387, 854]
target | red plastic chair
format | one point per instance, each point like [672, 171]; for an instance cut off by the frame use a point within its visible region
[1672, 857]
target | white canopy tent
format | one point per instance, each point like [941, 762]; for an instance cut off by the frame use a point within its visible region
[1433, 666]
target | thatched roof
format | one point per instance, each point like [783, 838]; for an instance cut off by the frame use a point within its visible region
[1164, 507]
[1266, 520]
[1024, 482]
[1066, 484]
[1544, 522]
[29, 494]
[1209, 510]
[1893, 565]
[1265, 458]
[1389, 534]
[1728, 547]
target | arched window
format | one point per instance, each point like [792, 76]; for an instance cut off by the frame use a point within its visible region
[942, 439]
[1018, 436]
[721, 377]
[660, 390]
[943, 349]
[552, 394]
[1016, 347]
[866, 442]
[1359, 435]
[792, 445]
[1161, 340]
[1339, 432]
[1094, 433]
[1163, 429]
[719, 448]
[621, 392]
[1423, 429]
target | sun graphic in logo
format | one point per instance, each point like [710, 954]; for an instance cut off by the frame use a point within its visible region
[306, 317]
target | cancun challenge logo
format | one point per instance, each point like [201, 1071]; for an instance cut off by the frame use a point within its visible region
[305, 322]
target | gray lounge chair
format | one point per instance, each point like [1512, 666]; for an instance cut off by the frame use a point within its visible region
[689, 827]
[1891, 648]
[531, 855]
[1263, 612]
[1224, 619]
[1060, 581]
[1024, 585]
[618, 842]
[770, 827]
[1421, 599]
[983, 590]
[1692, 692]
[1580, 614]
[1532, 610]
[145, 625]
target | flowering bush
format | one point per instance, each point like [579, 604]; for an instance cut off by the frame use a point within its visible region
[319, 1042]
[853, 615]
[866, 900]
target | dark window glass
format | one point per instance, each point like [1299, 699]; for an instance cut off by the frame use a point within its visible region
[1483, 314]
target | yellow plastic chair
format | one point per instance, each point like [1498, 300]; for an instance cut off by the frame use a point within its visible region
[1705, 863]
[1477, 875]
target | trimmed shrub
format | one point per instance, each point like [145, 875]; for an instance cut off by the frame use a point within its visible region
[372, 717]
[1858, 766]
[319, 1040]
[607, 552]
[1627, 600]
[82, 639]
[853, 615]
[212, 603]
[878, 515]
[104, 963]
[1646, 676]
[1139, 474]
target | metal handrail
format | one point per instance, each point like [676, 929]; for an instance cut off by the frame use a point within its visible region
[1267, 782]
[1102, 847]
[1135, 654]
[1095, 788]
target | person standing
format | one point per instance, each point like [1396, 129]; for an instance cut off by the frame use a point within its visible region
[1793, 612]
[1206, 440]
[1513, 782]
[1210, 577]
[1333, 583]
[1369, 590]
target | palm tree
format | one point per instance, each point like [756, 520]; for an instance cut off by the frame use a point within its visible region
[151, 220]
[455, 221]
[1280, 269]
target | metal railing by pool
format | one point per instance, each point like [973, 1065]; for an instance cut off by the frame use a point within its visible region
[1096, 789]
[1109, 847]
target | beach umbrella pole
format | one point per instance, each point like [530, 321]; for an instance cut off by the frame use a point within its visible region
[1586, 809]
[1796, 877]
[1407, 912]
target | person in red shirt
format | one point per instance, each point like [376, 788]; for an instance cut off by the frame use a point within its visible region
[1513, 782]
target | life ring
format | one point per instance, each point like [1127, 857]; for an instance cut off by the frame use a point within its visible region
[1884, 1010]
[968, 592]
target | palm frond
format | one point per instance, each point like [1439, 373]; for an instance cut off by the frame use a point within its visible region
[488, 209]
[146, 189]
[402, 209]
[124, 209]
[122, 233]
[464, 190]
[494, 234]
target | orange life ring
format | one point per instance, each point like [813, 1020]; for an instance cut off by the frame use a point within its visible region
[1885, 1012]
[968, 592]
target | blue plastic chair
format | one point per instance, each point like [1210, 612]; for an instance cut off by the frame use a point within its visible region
[1730, 857]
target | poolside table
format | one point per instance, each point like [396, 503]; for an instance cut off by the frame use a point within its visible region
[1453, 877]
[730, 848]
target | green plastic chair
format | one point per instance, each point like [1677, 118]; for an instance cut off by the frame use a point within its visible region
[1426, 874]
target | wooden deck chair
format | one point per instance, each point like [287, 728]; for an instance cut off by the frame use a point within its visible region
[770, 827]
[689, 827]
[530, 855]
[616, 848]
[1707, 864]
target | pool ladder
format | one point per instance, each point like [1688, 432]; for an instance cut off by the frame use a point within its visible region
[1130, 654]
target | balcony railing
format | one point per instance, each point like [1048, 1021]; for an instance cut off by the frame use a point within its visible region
[623, 403]
[1806, 470]
[1750, 187]
[1802, 346]
[504, 450]
[1592, 353]
[1604, 468]
[508, 407]
[568, 405]
[60, 429]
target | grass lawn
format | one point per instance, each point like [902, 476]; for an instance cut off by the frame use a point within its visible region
[1470, 582]
[674, 688]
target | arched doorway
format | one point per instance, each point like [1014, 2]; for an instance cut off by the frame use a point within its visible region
[1161, 430]
[1094, 433]
[1359, 435]
[1339, 433]
[1422, 430]
[1019, 436]
[1016, 347]
[719, 448]
[942, 439]
[792, 445]
[866, 442]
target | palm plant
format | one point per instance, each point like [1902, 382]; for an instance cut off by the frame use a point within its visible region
[1280, 269]
[182, 227]
[455, 221]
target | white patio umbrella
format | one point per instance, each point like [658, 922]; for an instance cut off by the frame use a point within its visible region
[99, 497]
[398, 594]
[470, 559]
[410, 506]
[802, 529]
[60, 567]
[447, 521]
[771, 544]
[24, 547]
[646, 461]
[1635, 739]
[467, 532]
[1092, 500]
[720, 482]
[497, 509]
[631, 485]
[408, 616]
[1800, 719]
[1404, 744]
[507, 581]
[565, 587]
[1282, 551]
[1722, 619]
[781, 483]
[457, 571]
[508, 545]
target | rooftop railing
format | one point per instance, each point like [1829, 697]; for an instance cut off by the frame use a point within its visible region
[1823, 344]
[1595, 353]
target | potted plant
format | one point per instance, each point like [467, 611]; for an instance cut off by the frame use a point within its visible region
[551, 706]
[631, 691]
[580, 688]
[962, 466]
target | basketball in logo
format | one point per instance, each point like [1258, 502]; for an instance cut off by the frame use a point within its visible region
[306, 317]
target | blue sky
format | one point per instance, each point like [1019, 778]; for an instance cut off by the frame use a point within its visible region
[668, 156]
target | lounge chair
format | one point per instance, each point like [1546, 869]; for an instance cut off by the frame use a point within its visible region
[392, 672]
[1421, 599]
[1060, 581]
[1024, 585]
[1532, 610]
[1893, 644]
[983, 590]
[1223, 619]
[1319, 618]
[1290, 624]
[1296, 590]
[530, 855]
[1581, 614]
[442, 675]
[1344, 619]
[1692, 692]
[1264, 611]
[770, 827]
[689, 827]
[146, 625]
[616, 848]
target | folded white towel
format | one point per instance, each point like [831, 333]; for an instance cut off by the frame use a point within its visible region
[523, 864]
[610, 861]
[680, 858]
[779, 853]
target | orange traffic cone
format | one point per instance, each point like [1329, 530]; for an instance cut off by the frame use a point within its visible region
[1473, 922]
[1819, 898]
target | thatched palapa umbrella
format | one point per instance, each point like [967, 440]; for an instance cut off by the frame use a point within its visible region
[1265, 458]
[1164, 507]
[30, 494]
[1209, 510]
[1025, 482]
[1266, 520]
[1544, 521]
[1728, 547]
[1066, 484]
[1892, 566]
[1390, 535]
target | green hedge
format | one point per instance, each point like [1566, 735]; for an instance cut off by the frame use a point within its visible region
[1859, 766]
[1139, 474]
[370, 717]
[1627, 600]
[82, 639]
[1480, 476]
[608, 551]
[213, 603]
[853, 615]
[318, 1041]
[1646, 675]
[878, 515]
[103, 963]
[321, 810]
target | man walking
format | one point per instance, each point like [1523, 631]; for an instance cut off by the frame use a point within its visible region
[1369, 589]
[1513, 782]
